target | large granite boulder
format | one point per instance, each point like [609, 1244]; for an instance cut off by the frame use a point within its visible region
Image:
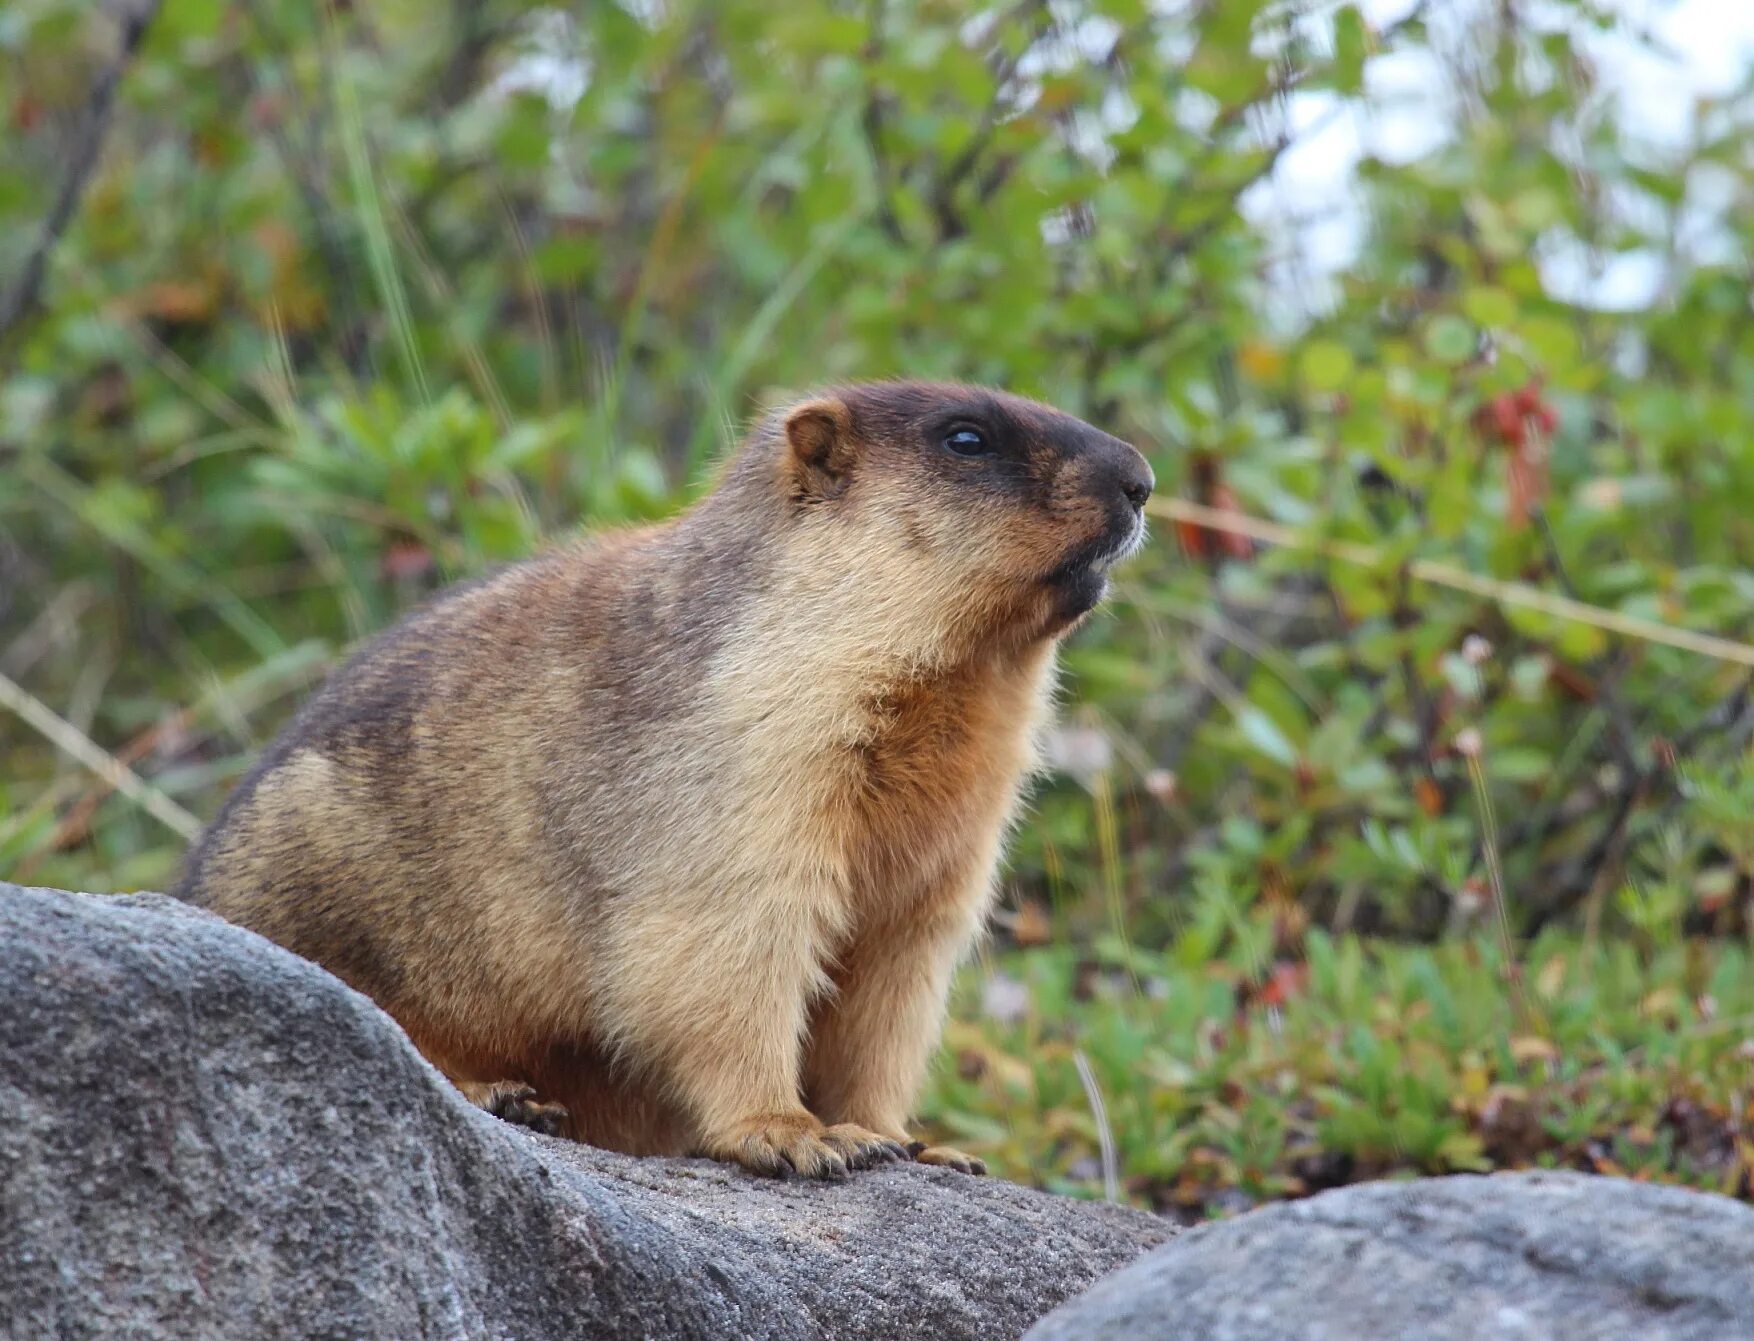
[1513, 1257]
[202, 1135]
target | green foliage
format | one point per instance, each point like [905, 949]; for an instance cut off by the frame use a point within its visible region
[1221, 1088]
[367, 297]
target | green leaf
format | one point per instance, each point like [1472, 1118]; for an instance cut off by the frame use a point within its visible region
[1351, 46]
[1326, 365]
[1553, 342]
[1488, 306]
[1264, 734]
[1450, 339]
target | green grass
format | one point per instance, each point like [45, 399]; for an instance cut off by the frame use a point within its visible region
[1366, 1059]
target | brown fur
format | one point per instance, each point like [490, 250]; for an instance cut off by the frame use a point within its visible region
[685, 828]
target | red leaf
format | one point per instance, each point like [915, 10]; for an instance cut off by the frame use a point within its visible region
[405, 559]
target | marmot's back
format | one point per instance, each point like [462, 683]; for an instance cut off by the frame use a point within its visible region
[369, 833]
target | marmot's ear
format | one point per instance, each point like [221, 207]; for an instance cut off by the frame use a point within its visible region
[820, 435]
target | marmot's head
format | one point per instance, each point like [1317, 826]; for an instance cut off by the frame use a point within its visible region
[998, 516]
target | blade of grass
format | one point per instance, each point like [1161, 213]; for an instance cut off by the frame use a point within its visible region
[67, 738]
[369, 207]
[468, 347]
[663, 235]
[1469, 746]
[232, 700]
[1276, 663]
[1105, 1137]
[182, 577]
[757, 334]
[536, 298]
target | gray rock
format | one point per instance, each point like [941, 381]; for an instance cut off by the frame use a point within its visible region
[1512, 1257]
[202, 1135]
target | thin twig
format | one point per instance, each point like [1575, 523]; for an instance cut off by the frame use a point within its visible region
[950, 225]
[1439, 574]
[871, 124]
[1230, 615]
[81, 157]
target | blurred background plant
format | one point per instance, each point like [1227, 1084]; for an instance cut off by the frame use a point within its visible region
[361, 297]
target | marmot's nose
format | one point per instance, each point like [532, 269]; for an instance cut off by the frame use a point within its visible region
[1138, 487]
[1131, 474]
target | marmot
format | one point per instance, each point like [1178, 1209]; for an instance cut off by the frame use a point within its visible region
[672, 837]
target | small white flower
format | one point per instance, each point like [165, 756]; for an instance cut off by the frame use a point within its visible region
[1162, 785]
[1082, 751]
[1004, 999]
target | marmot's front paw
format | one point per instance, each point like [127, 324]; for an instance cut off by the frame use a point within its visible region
[779, 1145]
[946, 1157]
[861, 1147]
[518, 1104]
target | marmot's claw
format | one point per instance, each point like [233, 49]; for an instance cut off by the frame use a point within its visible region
[518, 1104]
[861, 1147]
[780, 1145]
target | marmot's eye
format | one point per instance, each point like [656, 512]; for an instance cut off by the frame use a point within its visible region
[966, 441]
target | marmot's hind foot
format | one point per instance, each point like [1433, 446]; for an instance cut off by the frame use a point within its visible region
[516, 1103]
[946, 1158]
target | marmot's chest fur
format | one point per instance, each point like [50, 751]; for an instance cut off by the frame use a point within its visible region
[674, 837]
[938, 766]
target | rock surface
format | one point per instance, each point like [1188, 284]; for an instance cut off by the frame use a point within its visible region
[202, 1135]
[1512, 1257]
